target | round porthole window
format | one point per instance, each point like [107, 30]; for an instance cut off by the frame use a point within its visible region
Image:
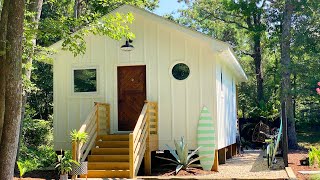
[180, 71]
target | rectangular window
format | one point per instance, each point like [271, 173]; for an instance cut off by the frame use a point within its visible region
[85, 80]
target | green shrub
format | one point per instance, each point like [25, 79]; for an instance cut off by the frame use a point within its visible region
[36, 144]
[315, 177]
[41, 157]
[314, 156]
[36, 132]
[27, 165]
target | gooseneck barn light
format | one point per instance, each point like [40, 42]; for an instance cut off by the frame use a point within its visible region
[127, 46]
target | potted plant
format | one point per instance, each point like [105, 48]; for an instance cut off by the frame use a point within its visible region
[64, 165]
[78, 139]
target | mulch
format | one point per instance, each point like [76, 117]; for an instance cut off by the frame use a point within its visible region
[294, 158]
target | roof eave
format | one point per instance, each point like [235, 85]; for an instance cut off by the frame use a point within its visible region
[234, 64]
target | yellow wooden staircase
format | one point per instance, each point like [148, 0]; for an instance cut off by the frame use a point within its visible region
[119, 155]
[110, 157]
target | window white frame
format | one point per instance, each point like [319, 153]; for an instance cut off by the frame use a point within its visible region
[97, 80]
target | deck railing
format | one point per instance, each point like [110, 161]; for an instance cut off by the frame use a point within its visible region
[142, 140]
[99, 115]
[139, 139]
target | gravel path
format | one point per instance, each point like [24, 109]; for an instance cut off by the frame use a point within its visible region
[251, 165]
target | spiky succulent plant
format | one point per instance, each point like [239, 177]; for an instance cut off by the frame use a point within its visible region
[182, 158]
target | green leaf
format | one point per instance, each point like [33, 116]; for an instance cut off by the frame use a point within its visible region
[173, 152]
[178, 168]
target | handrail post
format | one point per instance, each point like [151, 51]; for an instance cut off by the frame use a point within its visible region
[147, 153]
[74, 155]
[97, 117]
[108, 118]
[131, 156]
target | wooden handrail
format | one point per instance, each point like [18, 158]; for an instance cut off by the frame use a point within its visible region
[139, 139]
[92, 127]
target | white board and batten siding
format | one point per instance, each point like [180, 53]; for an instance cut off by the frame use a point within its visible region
[226, 106]
[159, 46]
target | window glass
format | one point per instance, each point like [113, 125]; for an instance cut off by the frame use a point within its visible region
[85, 80]
[180, 71]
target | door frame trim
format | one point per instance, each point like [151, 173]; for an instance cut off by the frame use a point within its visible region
[114, 122]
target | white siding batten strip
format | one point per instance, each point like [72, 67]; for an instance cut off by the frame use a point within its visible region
[171, 90]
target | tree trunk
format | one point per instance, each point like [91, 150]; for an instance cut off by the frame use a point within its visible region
[258, 68]
[3, 34]
[13, 98]
[286, 95]
[76, 9]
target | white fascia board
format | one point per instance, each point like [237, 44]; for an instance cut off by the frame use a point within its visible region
[237, 65]
[229, 59]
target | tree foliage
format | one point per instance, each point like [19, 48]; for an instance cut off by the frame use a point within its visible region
[44, 24]
[241, 23]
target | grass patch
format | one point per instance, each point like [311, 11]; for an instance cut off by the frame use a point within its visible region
[308, 139]
[315, 177]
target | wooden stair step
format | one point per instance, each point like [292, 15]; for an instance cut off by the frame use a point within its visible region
[108, 165]
[114, 137]
[108, 158]
[107, 174]
[112, 144]
[110, 151]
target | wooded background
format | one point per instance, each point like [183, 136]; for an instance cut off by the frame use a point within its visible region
[277, 43]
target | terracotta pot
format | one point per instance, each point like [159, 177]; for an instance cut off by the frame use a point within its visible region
[80, 169]
[63, 176]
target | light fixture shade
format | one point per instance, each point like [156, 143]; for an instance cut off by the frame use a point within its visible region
[127, 46]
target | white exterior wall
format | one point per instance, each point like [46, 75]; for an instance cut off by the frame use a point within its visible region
[159, 47]
[226, 106]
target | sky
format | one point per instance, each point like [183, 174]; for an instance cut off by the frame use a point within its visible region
[168, 6]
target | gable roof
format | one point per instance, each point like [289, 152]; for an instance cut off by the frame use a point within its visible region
[224, 49]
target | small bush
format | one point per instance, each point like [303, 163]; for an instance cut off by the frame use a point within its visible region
[315, 177]
[314, 156]
[36, 132]
[36, 144]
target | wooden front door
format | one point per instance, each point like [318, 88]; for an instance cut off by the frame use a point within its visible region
[131, 95]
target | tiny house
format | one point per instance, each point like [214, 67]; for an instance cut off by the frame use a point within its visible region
[178, 69]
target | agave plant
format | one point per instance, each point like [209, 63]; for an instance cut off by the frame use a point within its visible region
[182, 158]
